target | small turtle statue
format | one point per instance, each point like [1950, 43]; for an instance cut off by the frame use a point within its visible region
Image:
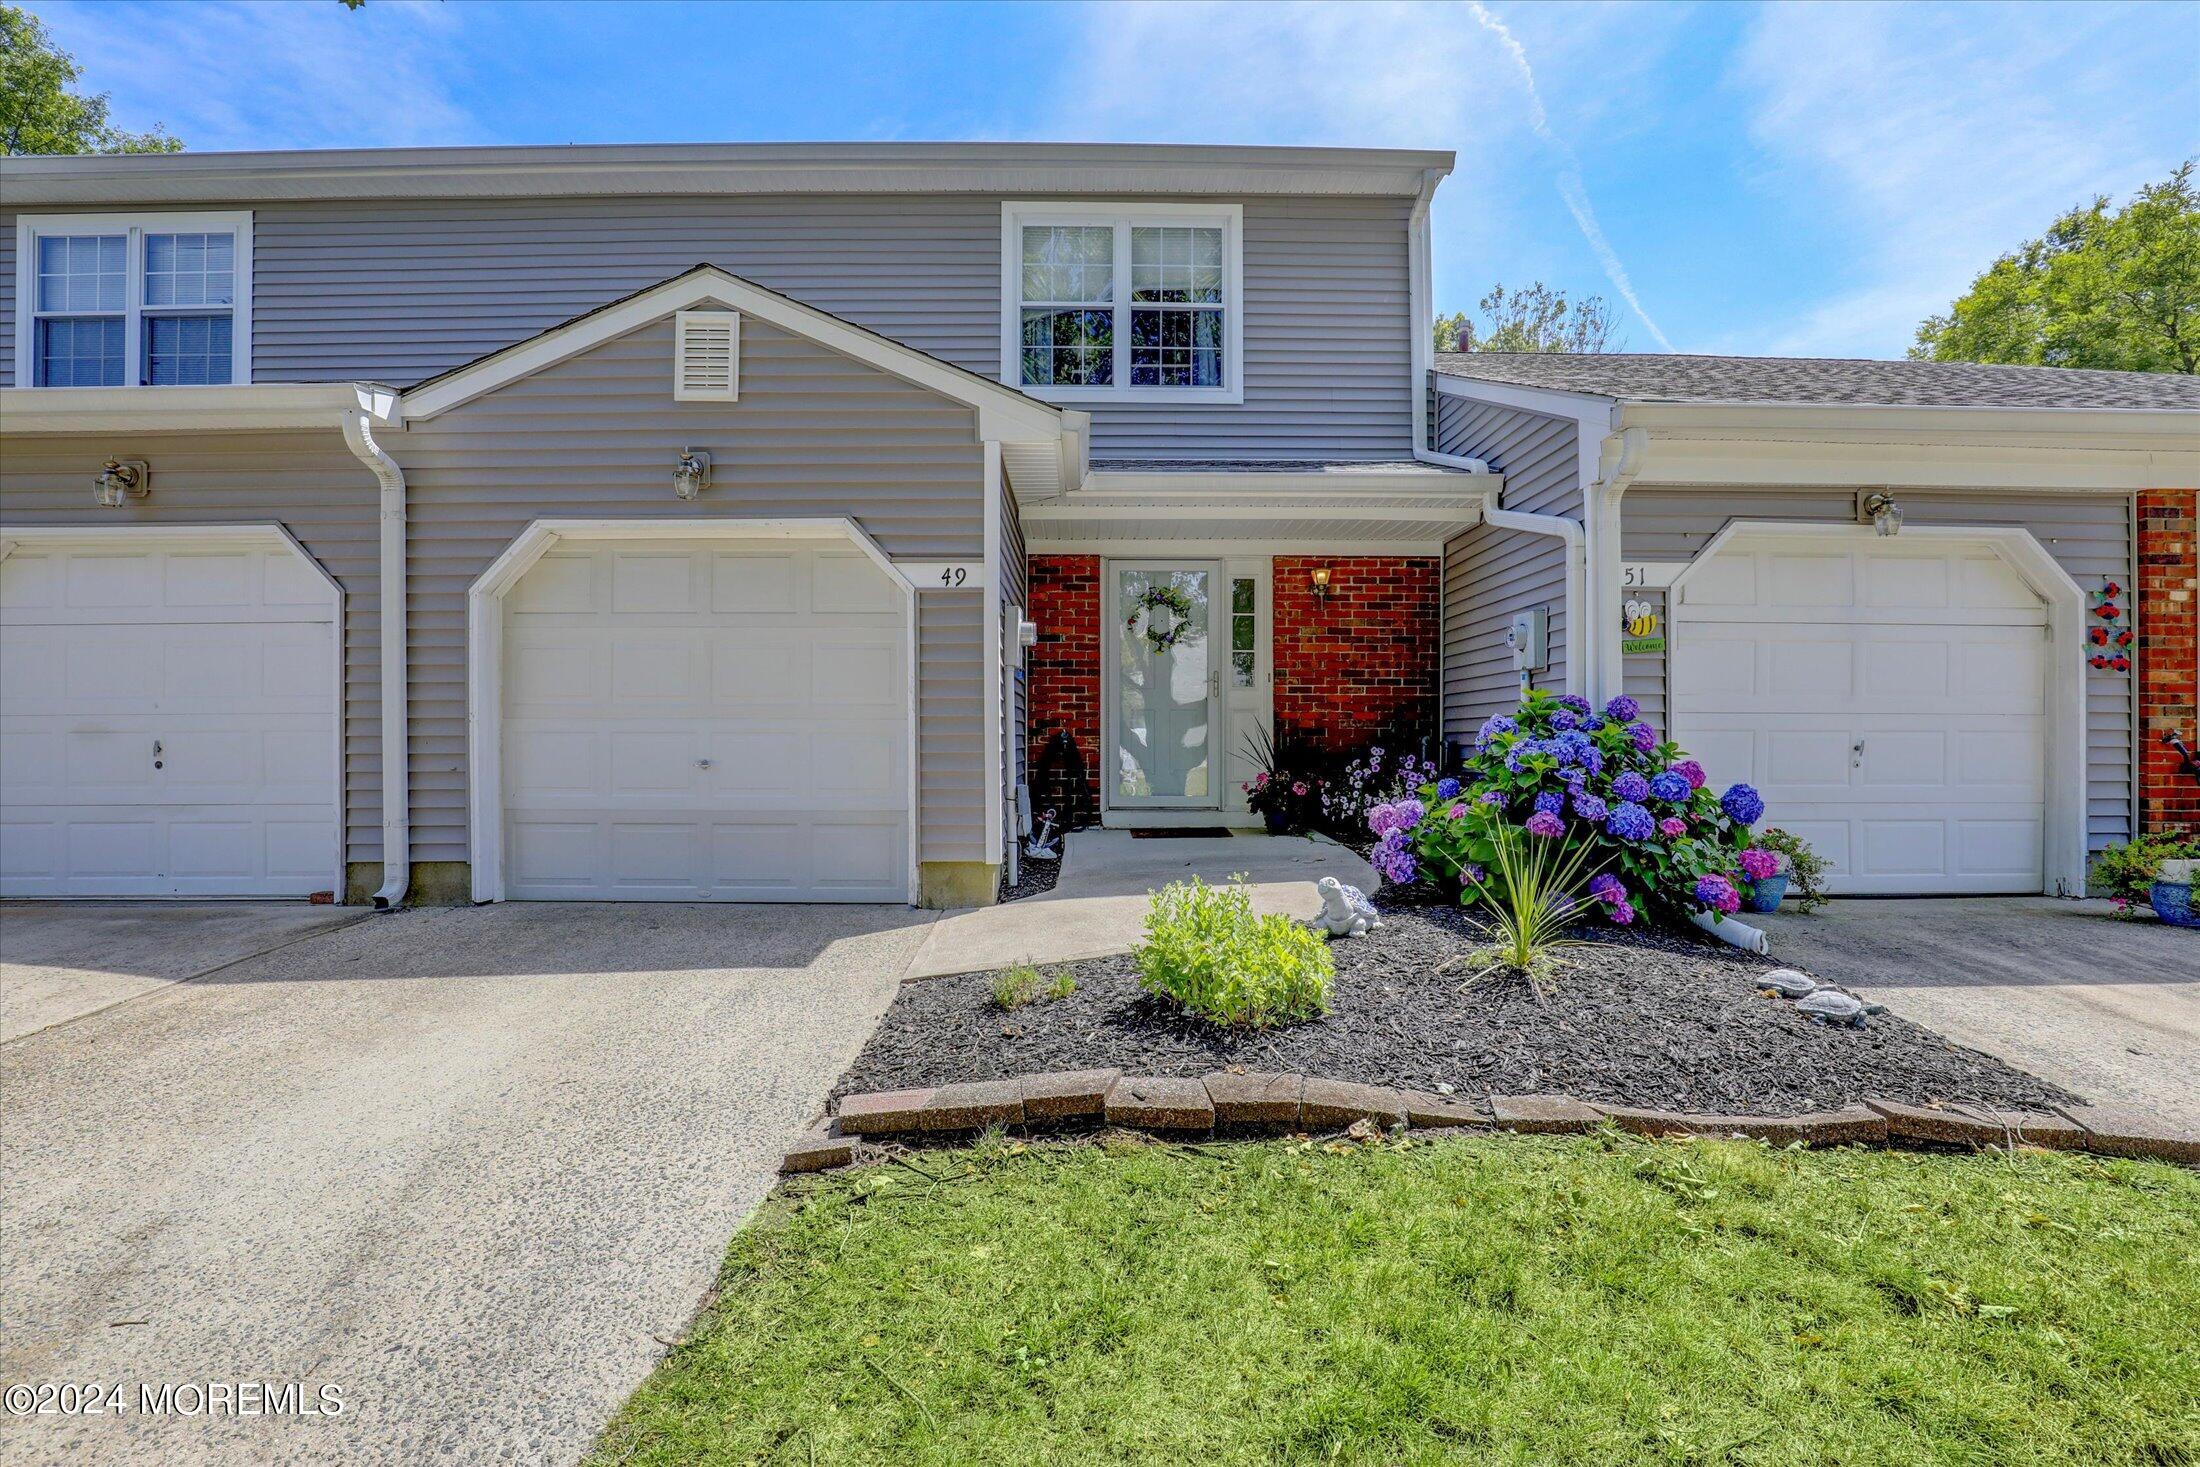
[1832, 1006]
[1788, 983]
[1346, 911]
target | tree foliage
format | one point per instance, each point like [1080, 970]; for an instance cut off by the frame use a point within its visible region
[38, 112]
[2116, 289]
[1535, 319]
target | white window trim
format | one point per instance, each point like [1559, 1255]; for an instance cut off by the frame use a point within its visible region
[1016, 214]
[134, 226]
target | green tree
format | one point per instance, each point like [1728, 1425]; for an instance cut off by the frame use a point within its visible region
[1535, 319]
[38, 112]
[2118, 289]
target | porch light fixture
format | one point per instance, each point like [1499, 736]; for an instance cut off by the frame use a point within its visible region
[1321, 582]
[119, 482]
[1879, 507]
[692, 477]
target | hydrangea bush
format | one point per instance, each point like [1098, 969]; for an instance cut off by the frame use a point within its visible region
[1655, 837]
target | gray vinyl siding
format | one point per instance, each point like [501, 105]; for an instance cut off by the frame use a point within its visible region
[814, 434]
[306, 482]
[1490, 573]
[397, 292]
[2090, 536]
[1014, 704]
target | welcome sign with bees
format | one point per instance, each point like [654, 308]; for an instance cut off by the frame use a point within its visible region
[1643, 630]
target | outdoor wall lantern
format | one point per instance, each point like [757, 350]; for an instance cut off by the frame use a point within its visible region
[692, 477]
[119, 482]
[1321, 583]
[1878, 506]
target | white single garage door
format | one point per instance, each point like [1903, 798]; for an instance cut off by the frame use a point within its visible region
[167, 718]
[724, 723]
[1887, 697]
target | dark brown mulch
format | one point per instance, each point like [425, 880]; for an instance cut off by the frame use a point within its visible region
[1648, 1019]
[1032, 877]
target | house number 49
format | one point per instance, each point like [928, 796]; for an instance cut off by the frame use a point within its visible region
[943, 575]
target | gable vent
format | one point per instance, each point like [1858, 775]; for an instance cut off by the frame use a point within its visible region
[706, 357]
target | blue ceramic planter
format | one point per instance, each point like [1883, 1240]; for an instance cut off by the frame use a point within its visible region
[1765, 895]
[2172, 902]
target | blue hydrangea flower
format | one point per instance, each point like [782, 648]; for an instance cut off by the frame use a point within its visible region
[1622, 709]
[1645, 737]
[1550, 802]
[1630, 821]
[1743, 805]
[1631, 786]
[1575, 778]
[1591, 722]
[1447, 788]
[1589, 807]
[1492, 727]
[1523, 750]
[1605, 887]
[1491, 797]
[1565, 719]
[1572, 747]
[1575, 702]
[1592, 759]
[1670, 786]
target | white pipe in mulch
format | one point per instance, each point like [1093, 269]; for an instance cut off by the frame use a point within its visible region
[1741, 934]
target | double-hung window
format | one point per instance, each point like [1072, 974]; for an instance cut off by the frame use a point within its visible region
[1123, 302]
[133, 300]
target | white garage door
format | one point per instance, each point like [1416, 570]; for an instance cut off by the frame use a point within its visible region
[1887, 697]
[167, 719]
[727, 723]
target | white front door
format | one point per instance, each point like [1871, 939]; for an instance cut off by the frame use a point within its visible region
[1888, 698]
[723, 722]
[1165, 684]
[167, 719]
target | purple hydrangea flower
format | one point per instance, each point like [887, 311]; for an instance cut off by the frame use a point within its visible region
[1393, 860]
[1672, 827]
[1574, 701]
[1589, 807]
[1645, 737]
[1743, 805]
[1395, 818]
[1472, 874]
[1490, 797]
[1592, 759]
[1631, 786]
[1605, 887]
[1757, 864]
[1496, 725]
[1565, 719]
[1691, 771]
[1575, 778]
[1630, 821]
[1545, 824]
[1621, 912]
[1670, 786]
[1458, 812]
[1591, 722]
[1550, 802]
[1622, 709]
[1447, 789]
[1717, 894]
[1522, 751]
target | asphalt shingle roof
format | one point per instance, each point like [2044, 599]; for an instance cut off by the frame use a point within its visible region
[1645, 377]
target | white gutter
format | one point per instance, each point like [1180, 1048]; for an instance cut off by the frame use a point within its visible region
[396, 760]
[1618, 462]
[1558, 527]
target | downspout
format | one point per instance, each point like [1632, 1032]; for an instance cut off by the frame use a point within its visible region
[1619, 461]
[396, 761]
[1557, 526]
[1420, 300]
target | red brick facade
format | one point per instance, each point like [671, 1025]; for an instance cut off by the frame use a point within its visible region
[1360, 665]
[1063, 686]
[2169, 661]
[1354, 668]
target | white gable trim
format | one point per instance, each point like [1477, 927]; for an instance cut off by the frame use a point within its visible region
[1003, 414]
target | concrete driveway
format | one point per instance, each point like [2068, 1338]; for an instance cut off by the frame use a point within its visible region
[471, 1167]
[2108, 1007]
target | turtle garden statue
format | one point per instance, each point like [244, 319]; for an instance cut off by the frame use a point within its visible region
[1832, 1006]
[1346, 911]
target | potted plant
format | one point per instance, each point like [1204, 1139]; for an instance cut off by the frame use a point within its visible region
[1283, 796]
[1796, 863]
[2170, 893]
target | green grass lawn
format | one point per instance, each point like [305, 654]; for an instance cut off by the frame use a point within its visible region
[1506, 1299]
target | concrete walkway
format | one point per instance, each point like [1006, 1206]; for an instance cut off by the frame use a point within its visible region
[1099, 905]
[473, 1167]
[62, 960]
[2105, 1006]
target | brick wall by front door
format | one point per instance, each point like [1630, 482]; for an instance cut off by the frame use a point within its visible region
[1359, 664]
[2168, 661]
[1064, 688]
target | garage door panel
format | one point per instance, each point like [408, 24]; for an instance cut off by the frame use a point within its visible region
[1901, 731]
[213, 579]
[747, 739]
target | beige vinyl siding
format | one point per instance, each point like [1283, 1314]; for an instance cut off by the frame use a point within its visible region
[2088, 535]
[306, 482]
[397, 292]
[1490, 573]
[814, 434]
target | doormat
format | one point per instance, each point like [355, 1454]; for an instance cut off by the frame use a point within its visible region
[1180, 832]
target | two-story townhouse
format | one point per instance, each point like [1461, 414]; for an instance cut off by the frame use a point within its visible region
[766, 516]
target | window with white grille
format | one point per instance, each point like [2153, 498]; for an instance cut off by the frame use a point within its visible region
[706, 357]
[134, 300]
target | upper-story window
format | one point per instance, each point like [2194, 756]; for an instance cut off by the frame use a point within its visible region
[1123, 302]
[133, 300]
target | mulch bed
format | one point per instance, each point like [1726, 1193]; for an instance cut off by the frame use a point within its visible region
[1032, 878]
[1650, 1019]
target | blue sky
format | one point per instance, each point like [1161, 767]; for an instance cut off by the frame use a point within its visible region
[1807, 179]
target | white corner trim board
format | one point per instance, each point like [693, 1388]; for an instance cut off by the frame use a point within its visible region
[485, 658]
[2064, 804]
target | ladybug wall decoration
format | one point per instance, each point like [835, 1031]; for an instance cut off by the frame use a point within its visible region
[2099, 636]
[2123, 638]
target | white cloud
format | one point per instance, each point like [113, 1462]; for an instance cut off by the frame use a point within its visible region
[304, 75]
[1933, 140]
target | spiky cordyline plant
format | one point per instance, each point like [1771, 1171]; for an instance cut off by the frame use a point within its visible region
[1530, 893]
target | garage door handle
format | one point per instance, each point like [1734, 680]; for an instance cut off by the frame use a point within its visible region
[156, 753]
[1856, 755]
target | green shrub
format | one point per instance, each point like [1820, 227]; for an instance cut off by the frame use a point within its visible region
[1064, 984]
[1015, 986]
[1530, 894]
[1205, 949]
[2124, 872]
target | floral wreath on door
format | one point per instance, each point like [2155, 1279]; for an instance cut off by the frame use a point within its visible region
[1173, 599]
